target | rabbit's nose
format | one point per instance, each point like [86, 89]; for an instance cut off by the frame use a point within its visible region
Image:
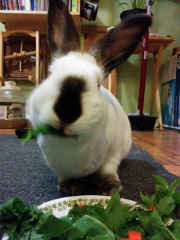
[69, 105]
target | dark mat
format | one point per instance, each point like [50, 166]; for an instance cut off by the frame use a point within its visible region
[24, 173]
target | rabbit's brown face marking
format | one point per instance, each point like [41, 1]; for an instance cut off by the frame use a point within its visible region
[68, 106]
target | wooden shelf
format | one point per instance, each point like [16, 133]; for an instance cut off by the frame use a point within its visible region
[13, 124]
[29, 20]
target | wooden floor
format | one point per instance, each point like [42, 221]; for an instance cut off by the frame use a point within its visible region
[163, 146]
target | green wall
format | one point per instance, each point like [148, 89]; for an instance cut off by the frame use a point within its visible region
[166, 20]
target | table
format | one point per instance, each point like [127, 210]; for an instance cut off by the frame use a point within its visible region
[157, 44]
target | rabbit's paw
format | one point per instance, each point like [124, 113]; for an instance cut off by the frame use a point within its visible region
[108, 183]
[94, 184]
[69, 188]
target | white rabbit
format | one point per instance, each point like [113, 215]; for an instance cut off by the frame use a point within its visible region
[93, 131]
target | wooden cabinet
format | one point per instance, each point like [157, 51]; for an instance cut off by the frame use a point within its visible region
[24, 68]
[30, 22]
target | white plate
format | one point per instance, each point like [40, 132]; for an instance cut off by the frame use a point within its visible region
[60, 207]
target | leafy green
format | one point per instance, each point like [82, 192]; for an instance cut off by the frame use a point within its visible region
[147, 200]
[33, 236]
[164, 198]
[176, 197]
[16, 219]
[176, 228]
[153, 216]
[41, 129]
[166, 205]
[174, 185]
[96, 211]
[117, 212]
[52, 226]
[92, 227]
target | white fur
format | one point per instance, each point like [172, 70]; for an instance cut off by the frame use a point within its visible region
[99, 139]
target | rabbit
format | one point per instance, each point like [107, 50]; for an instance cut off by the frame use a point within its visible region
[93, 133]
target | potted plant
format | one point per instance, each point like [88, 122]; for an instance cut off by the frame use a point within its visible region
[138, 4]
[131, 4]
[132, 7]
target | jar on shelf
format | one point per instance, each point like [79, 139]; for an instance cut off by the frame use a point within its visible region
[12, 106]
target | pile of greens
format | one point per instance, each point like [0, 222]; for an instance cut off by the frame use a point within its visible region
[155, 217]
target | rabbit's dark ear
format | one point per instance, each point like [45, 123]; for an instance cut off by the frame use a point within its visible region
[62, 34]
[120, 42]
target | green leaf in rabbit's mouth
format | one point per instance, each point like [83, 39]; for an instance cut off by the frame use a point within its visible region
[45, 129]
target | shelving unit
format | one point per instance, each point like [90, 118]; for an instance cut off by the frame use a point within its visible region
[29, 20]
[20, 21]
[33, 21]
